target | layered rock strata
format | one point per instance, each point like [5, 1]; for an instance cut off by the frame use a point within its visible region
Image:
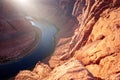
[94, 47]
[71, 70]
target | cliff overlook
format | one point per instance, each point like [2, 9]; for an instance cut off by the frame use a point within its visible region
[92, 52]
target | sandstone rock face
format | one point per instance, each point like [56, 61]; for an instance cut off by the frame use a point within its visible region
[95, 46]
[96, 41]
[27, 75]
[102, 47]
[71, 70]
[67, 6]
[78, 7]
[40, 71]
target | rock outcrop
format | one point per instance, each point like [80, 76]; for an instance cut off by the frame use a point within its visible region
[96, 41]
[100, 47]
[40, 71]
[95, 46]
[71, 70]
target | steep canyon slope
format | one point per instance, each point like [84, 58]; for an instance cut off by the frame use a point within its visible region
[93, 51]
[14, 31]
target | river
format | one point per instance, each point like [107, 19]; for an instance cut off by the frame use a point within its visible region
[44, 49]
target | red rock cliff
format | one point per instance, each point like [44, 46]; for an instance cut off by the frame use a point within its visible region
[94, 50]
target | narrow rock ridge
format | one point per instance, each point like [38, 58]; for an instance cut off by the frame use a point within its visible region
[93, 52]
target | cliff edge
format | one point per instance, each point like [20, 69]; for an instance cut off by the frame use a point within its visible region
[92, 53]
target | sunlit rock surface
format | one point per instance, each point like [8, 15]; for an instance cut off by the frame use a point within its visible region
[40, 71]
[71, 70]
[95, 45]
[100, 47]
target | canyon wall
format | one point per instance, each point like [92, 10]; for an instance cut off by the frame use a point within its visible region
[56, 12]
[14, 25]
[14, 31]
[92, 53]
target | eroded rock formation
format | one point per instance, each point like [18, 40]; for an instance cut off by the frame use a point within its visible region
[94, 47]
[40, 71]
[71, 70]
[96, 41]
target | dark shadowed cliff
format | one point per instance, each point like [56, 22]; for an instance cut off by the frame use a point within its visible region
[14, 31]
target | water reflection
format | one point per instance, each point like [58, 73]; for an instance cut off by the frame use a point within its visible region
[43, 50]
[48, 32]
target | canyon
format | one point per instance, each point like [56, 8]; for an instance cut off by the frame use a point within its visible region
[14, 31]
[87, 44]
[92, 53]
